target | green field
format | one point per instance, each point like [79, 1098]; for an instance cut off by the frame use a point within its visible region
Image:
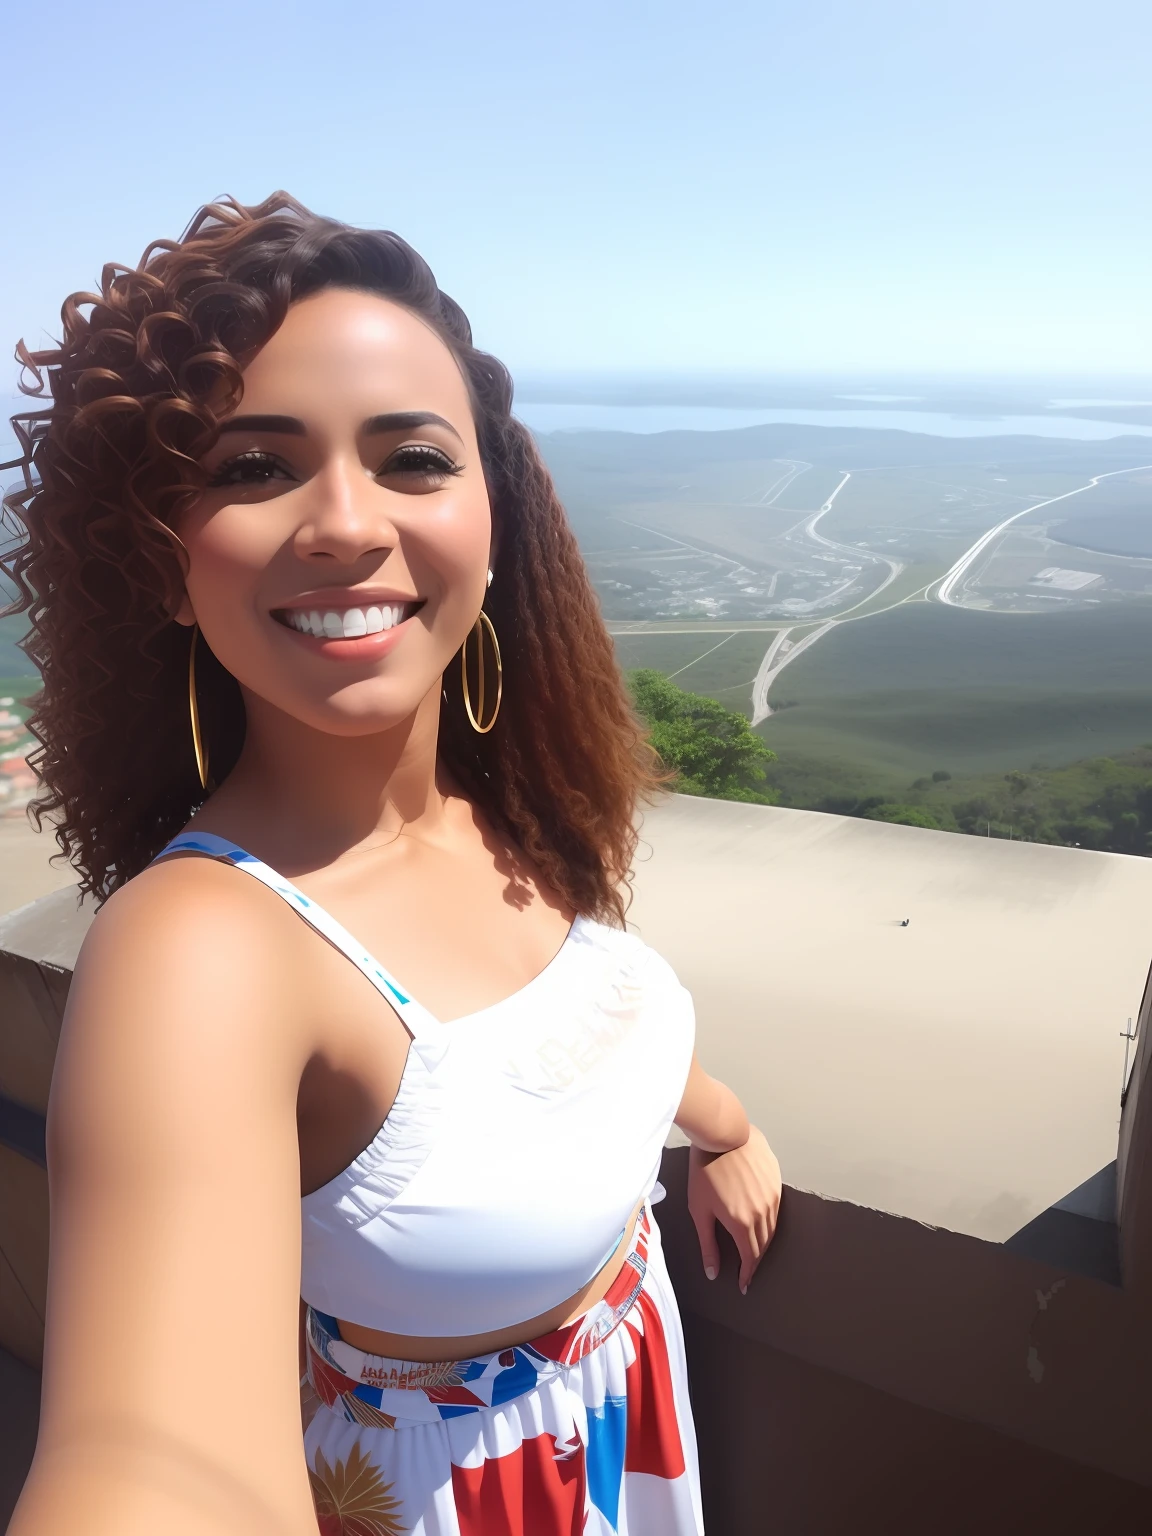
[926, 687]
[913, 580]
[879, 702]
[713, 664]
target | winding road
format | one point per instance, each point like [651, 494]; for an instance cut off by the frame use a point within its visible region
[947, 589]
[783, 651]
[952, 578]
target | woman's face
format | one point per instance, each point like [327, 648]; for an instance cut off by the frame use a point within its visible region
[340, 552]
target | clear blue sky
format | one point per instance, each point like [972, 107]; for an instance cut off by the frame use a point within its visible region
[623, 184]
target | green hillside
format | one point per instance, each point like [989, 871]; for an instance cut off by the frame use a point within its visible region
[1100, 802]
[928, 687]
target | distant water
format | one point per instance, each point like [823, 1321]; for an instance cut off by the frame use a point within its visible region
[1075, 405]
[581, 417]
[542, 417]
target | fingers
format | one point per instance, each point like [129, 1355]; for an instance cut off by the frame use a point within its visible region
[749, 1249]
[741, 1189]
[751, 1236]
[705, 1223]
[765, 1229]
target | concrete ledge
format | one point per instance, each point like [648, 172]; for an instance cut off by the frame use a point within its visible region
[964, 1070]
[940, 1321]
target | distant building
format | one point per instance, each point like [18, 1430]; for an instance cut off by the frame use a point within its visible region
[17, 784]
[1065, 581]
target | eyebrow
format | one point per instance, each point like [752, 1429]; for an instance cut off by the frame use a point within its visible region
[292, 426]
[406, 421]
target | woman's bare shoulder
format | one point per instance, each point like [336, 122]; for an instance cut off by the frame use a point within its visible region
[190, 967]
[197, 917]
[183, 891]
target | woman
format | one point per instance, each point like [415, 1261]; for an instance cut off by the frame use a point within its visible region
[279, 497]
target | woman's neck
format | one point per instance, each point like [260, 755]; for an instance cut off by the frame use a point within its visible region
[307, 796]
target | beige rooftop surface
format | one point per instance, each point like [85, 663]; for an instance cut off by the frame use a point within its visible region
[25, 870]
[964, 1070]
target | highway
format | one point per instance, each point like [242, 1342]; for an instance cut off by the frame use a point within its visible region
[948, 589]
[770, 667]
[952, 578]
[782, 652]
[778, 487]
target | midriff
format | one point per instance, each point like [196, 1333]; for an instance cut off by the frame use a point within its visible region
[401, 1346]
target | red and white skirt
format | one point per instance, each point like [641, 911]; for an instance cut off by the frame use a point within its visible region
[586, 1431]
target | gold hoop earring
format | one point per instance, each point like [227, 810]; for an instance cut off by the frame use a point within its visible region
[198, 746]
[476, 715]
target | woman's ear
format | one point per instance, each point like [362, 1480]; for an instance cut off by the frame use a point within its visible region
[184, 614]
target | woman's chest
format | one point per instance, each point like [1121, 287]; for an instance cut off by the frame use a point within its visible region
[458, 933]
[361, 1046]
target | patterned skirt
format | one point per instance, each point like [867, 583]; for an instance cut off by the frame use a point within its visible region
[586, 1431]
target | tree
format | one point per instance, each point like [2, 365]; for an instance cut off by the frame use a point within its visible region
[904, 815]
[713, 750]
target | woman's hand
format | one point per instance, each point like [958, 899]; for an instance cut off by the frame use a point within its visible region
[741, 1190]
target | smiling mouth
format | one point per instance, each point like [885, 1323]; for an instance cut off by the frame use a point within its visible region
[346, 623]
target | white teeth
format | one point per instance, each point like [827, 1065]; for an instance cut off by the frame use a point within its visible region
[349, 623]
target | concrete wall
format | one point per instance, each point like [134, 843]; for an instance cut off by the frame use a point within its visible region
[926, 1327]
[1134, 1169]
[884, 1373]
[26, 867]
[964, 1070]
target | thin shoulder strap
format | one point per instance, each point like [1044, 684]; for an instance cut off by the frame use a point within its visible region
[417, 1020]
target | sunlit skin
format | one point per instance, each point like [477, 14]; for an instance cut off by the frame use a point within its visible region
[349, 504]
[348, 513]
[218, 1057]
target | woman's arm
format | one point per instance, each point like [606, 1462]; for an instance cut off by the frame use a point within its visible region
[171, 1390]
[710, 1114]
[733, 1175]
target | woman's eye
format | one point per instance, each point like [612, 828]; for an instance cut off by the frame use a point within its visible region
[420, 461]
[249, 469]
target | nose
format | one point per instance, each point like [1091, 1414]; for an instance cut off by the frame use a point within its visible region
[347, 516]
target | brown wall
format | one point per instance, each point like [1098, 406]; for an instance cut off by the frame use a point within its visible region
[31, 1005]
[932, 1323]
[799, 1449]
[32, 999]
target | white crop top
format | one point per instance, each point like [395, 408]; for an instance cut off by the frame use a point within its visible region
[521, 1138]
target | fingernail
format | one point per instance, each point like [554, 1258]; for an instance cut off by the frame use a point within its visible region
[709, 1271]
[743, 1290]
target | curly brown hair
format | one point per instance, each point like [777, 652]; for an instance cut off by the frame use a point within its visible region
[138, 387]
